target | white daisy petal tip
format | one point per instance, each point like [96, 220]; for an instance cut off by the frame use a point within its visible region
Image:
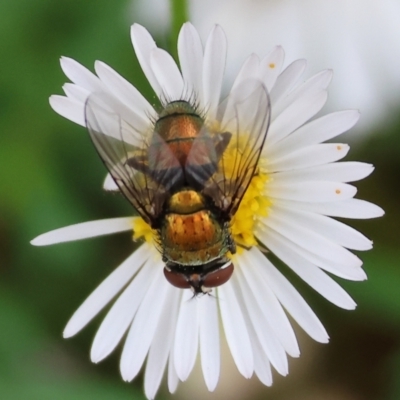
[379, 212]
[109, 184]
[64, 60]
[68, 108]
[188, 26]
[354, 116]
[99, 65]
[363, 275]
[84, 230]
[66, 334]
[350, 306]
[125, 378]
[69, 65]
[70, 330]
[325, 340]
[136, 30]
[37, 241]
[47, 239]
[95, 359]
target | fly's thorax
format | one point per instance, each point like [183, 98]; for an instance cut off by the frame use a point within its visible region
[179, 120]
[191, 233]
[178, 107]
[179, 124]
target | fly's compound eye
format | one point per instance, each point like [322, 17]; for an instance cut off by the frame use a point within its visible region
[176, 279]
[218, 277]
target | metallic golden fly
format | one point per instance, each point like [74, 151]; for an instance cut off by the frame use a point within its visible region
[186, 175]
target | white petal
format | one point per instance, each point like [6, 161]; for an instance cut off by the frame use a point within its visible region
[120, 316]
[268, 304]
[105, 114]
[314, 84]
[106, 291]
[310, 273]
[80, 75]
[235, 329]
[270, 66]
[333, 230]
[111, 117]
[249, 70]
[321, 80]
[173, 379]
[126, 93]
[143, 328]
[313, 192]
[287, 79]
[245, 110]
[190, 52]
[76, 92]
[209, 340]
[324, 285]
[143, 44]
[316, 131]
[292, 300]
[84, 230]
[353, 273]
[167, 74]
[268, 340]
[68, 108]
[348, 171]
[309, 239]
[295, 115]
[262, 366]
[350, 208]
[109, 184]
[309, 156]
[213, 70]
[162, 343]
[186, 336]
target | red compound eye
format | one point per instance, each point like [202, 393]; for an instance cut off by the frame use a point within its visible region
[176, 279]
[219, 277]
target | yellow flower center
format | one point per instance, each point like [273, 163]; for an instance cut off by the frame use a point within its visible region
[142, 229]
[253, 206]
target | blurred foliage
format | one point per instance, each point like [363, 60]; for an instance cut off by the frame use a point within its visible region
[51, 177]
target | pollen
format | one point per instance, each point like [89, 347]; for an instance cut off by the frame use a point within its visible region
[337, 191]
[272, 65]
[253, 206]
[142, 230]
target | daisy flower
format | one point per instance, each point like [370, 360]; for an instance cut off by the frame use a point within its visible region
[294, 186]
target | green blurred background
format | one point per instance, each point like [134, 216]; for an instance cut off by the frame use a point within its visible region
[51, 177]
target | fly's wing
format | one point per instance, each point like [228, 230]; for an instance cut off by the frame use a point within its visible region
[126, 154]
[204, 157]
[158, 162]
[222, 163]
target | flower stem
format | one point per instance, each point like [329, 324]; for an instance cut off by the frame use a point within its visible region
[179, 13]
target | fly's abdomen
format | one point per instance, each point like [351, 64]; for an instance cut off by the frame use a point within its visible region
[193, 239]
[190, 234]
